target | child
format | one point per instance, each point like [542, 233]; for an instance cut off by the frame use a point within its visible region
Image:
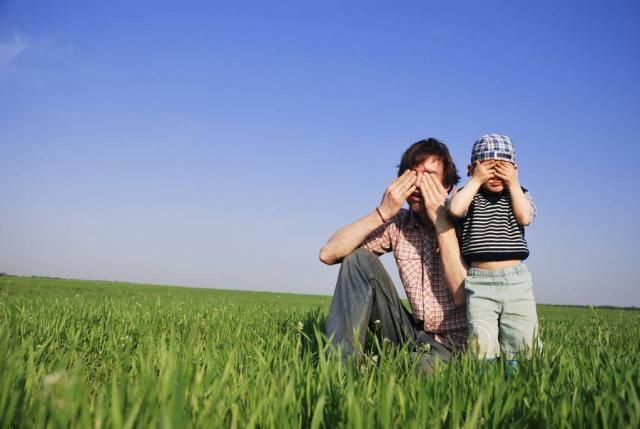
[493, 210]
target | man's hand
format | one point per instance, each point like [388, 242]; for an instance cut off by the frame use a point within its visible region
[397, 193]
[348, 238]
[483, 171]
[454, 270]
[433, 194]
[507, 172]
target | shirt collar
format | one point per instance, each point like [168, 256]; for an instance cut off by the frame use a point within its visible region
[414, 221]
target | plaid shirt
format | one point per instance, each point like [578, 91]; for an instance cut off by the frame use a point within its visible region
[415, 248]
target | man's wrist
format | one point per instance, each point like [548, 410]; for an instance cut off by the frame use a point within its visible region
[382, 217]
[442, 223]
[386, 212]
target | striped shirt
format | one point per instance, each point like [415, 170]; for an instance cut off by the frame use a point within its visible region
[415, 248]
[489, 230]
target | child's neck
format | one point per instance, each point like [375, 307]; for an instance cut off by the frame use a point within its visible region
[488, 192]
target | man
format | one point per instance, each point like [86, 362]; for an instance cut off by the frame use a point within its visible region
[426, 250]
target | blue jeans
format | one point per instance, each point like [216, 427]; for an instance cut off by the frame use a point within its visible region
[366, 297]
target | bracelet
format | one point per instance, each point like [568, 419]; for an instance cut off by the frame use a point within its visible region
[380, 214]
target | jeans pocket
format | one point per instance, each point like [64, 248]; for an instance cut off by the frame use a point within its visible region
[523, 282]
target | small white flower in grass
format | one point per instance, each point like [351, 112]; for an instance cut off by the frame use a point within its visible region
[377, 324]
[299, 327]
[425, 347]
[51, 380]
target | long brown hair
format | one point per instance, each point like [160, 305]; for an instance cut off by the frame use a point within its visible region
[423, 149]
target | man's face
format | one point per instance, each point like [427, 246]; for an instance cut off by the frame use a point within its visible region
[433, 165]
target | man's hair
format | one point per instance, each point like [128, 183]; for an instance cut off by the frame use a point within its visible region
[419, 151]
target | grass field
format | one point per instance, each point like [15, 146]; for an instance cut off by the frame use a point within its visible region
[99, 354]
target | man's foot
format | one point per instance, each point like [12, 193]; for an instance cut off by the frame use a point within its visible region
[424, 363]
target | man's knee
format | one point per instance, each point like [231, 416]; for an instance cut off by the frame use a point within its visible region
[365, 268]
[360, 258]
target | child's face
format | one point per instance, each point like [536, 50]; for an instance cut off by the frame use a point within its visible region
[493, 183]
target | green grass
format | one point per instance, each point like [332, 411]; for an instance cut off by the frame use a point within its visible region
[100, 354]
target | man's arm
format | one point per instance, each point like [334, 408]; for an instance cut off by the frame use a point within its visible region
[462, 199]
[347, 239]
[454, 270]
[519, 201]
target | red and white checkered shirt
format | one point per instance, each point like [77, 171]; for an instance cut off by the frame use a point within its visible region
[415, 248]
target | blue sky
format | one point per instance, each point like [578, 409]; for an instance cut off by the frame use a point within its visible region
[220, 144]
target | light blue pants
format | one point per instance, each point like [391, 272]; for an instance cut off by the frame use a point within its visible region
[502, 312]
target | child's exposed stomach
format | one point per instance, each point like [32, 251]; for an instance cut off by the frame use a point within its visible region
[494, 265]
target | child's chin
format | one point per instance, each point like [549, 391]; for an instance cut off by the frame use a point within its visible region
[493, 188]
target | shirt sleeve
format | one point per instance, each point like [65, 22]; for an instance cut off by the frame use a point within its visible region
[379, 241]
[534, 210]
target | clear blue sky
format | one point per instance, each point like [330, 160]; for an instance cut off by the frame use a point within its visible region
[220, 144]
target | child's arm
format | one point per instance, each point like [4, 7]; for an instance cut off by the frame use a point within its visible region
[462, 199]
[519, 201]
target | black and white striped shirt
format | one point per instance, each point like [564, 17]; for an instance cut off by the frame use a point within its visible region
[489, 230]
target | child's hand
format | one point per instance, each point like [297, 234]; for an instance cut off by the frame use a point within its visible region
[507, 172]
[483, 171]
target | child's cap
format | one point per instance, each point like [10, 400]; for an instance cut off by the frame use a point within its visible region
[493, 146]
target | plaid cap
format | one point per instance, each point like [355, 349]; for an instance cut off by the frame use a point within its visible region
[493, 146]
